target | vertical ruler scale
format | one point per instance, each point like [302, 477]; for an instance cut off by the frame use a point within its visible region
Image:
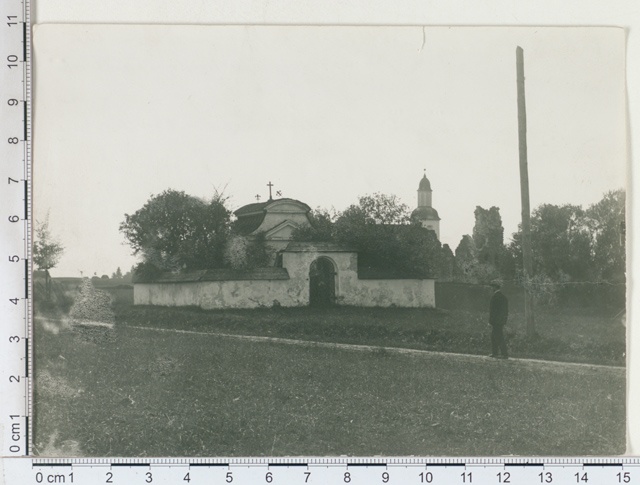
[28, 215]
[15, 228]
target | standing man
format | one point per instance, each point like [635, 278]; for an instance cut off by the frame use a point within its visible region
[498, 313]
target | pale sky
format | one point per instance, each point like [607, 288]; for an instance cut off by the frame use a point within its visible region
[325, 113]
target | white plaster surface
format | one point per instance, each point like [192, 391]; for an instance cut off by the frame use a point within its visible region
[350, 290]
[220, 294]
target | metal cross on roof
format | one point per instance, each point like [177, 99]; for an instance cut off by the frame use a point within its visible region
[257, 197]
[270, 185]
[279, 193]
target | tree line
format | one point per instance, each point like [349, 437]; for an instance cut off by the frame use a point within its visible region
[569, 244]
[389, 242]
[175, 231]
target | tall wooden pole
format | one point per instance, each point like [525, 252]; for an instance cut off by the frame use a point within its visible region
[524, 195]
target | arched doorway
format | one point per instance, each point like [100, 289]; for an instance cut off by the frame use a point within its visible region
[322, 282]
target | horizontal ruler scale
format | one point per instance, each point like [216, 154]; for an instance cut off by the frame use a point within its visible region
[16, 346]
[325, 470]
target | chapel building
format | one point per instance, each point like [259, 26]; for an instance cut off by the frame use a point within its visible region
[276, 218]
[299, 273]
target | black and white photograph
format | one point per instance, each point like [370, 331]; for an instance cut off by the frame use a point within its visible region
[329, 241]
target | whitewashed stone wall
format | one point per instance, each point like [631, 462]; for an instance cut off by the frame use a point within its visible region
[350, 290]
[218, 294]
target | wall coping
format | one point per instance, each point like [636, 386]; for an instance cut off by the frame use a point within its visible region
[222, 274]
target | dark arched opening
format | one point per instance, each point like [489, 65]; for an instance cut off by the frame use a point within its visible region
[322, 282]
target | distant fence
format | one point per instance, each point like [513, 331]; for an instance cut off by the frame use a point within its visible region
[63, 291]
[472, 297]
[597, 297]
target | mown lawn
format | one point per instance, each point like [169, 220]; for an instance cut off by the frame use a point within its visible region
[136, 392]
[575, 336]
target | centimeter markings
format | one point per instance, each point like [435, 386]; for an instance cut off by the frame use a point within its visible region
[347, 461]
[352, 471]
[28, 218]
[15, 305]
[16, 83]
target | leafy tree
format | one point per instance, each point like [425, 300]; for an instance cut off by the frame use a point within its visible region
[155, 262]
[570, 244]
[384, 209]
[174, 230]
[235, 253]
[320, 229]
[419, 251]
[560, 243]
[542, 288]
[379, 229]
[257, 255]
[128, 276]
[47, 251]
[247, 253]
[605, 221]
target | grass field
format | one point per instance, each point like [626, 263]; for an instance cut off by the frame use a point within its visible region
[564, 336]
[137, 392]
[133, 390]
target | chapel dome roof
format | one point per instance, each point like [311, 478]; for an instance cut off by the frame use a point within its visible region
[258, 207]
[424, 183]
[250, 216]
[425, 214]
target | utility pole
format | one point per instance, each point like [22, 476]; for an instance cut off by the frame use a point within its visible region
[524, 196]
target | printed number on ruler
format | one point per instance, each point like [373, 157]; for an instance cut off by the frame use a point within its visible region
[14, 227]
[338, 472]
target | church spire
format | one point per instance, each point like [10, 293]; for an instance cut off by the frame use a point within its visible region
[424, 213]
[424, 191]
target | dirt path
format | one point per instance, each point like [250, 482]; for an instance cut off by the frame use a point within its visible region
[368, 348]
[398, 350]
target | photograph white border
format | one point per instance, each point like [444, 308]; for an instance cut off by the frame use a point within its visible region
[624, 13]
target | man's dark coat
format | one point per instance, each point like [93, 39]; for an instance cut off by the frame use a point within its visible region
[498, 309]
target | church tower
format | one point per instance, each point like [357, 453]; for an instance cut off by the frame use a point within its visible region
[424, 213]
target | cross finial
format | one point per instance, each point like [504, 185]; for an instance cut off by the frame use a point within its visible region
[270, 185]
[258, 197]
[425, 171]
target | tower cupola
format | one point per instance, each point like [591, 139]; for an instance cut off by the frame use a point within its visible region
[424, 192]
[424, 183]
[424, 213]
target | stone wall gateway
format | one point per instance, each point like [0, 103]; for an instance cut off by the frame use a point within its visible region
[287, 286]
